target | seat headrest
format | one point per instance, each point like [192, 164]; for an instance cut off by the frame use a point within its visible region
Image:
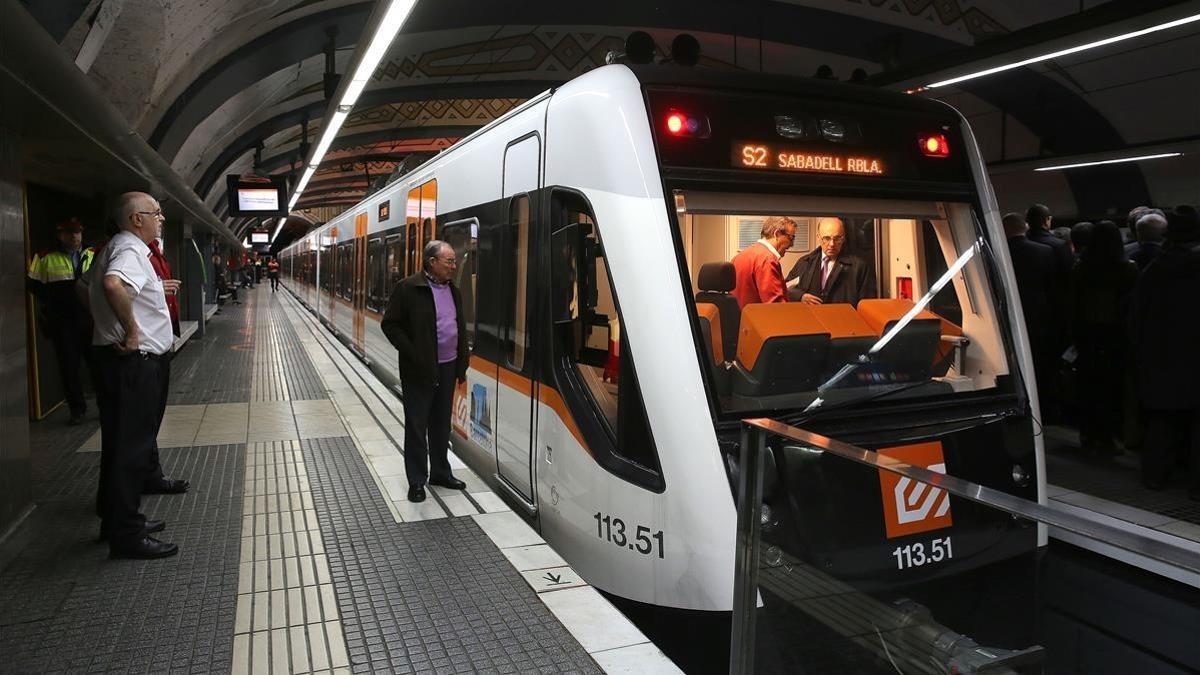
[717, 276]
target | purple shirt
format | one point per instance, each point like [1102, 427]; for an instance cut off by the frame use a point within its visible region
[447, 321]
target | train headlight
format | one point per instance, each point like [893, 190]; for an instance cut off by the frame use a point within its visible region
[1020, 476]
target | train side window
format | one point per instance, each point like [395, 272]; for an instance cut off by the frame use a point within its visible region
[394, 265]
[590, 336]
[463, 237]
[517, 244]
[376, 289]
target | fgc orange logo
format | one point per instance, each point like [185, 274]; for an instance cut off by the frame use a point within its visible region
[910, 507]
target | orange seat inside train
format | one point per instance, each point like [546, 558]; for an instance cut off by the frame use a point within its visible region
[838, 333]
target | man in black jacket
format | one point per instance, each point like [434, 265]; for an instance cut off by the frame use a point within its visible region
[1166, 331]
[1033, 265]
[424, 322]
[828, 274]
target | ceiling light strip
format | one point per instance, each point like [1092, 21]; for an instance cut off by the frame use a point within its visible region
[1119, 160]
[389, 27]
[1071, 50]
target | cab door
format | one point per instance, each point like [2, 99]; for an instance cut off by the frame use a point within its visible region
[515, 387]
[358, 295]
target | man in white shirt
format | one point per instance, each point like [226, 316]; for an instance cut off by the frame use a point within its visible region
[132, 338]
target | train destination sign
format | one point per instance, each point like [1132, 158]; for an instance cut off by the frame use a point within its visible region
[763, 156]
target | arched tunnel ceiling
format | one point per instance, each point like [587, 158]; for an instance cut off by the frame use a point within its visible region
[207, 82]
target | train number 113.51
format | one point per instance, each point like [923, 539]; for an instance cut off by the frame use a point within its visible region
[918, 553]
[639, 538]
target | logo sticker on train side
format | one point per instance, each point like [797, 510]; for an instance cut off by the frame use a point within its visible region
[910, 507]
[460, 416]
[481, 416]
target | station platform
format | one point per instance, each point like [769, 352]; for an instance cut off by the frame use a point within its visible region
[298, 550]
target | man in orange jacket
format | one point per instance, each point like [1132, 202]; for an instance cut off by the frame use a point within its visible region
[758, 274]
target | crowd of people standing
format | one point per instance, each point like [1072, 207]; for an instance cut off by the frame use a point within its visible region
[1112, 325]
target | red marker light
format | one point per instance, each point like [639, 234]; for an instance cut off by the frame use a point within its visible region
[675, 123]
[935, 145]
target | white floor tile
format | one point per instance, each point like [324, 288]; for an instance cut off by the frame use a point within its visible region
[644, 659]
[490, 501]
[591, 619]
[388, 466]
[535, 557]
[426, 510]
[506, 529]
[459, 505]
[379, 448]
[552, 579]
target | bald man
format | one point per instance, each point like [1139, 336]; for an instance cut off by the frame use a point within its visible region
[829, 274]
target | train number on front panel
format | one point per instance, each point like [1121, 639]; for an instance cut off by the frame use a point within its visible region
[633, 537]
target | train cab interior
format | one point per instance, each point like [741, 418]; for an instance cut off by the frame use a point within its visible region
[784, 355]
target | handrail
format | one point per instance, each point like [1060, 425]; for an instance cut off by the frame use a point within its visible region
[754, 435]
[990, 497]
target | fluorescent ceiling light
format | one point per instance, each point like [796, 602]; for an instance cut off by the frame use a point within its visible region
[246, 243]
[327, 136]
[389, 27]
[308, 174]
[1108, 161]
[278, 227]
[1071, 50]
[393, 20]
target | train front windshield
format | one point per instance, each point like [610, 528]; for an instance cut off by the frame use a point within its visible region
[879, 301]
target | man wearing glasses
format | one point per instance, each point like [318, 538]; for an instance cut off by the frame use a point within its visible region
[829, 274]
[424, 322]
[757, 270]
[132, 338]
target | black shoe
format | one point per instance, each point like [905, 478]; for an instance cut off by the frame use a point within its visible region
[416, 493]
[76, 418]
[167, 486]
[449, 482]
[151, 527]
[146, 548]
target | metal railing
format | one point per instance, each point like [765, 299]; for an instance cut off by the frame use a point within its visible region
[755, 433]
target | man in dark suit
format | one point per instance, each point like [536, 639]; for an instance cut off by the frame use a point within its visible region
[424, 322]
[1151, 231]
[1033, 265]
[1038, 219]
[1166, 330]
[828, 274]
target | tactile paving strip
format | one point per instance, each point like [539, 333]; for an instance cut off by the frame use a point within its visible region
[428, 596]
[66, 607]
[302, 380]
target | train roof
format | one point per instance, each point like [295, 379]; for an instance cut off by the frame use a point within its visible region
[765, 83]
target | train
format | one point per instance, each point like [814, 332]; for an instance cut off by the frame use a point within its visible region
[594, 228]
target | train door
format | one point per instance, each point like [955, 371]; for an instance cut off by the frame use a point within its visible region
[358, 279]
[332, 283]
[515, 383]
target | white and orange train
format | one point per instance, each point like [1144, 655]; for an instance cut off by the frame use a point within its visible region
[610, 366]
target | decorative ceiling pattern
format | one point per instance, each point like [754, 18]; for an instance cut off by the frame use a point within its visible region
[206, 82]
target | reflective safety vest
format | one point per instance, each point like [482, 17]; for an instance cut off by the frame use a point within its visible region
[55, 266]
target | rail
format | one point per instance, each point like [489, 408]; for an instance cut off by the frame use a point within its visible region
[753, 446]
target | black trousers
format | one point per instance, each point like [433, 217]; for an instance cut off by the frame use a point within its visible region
[132, 394]
[1168, 433]
[427, 426]
[274, 282]
[71, 350]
